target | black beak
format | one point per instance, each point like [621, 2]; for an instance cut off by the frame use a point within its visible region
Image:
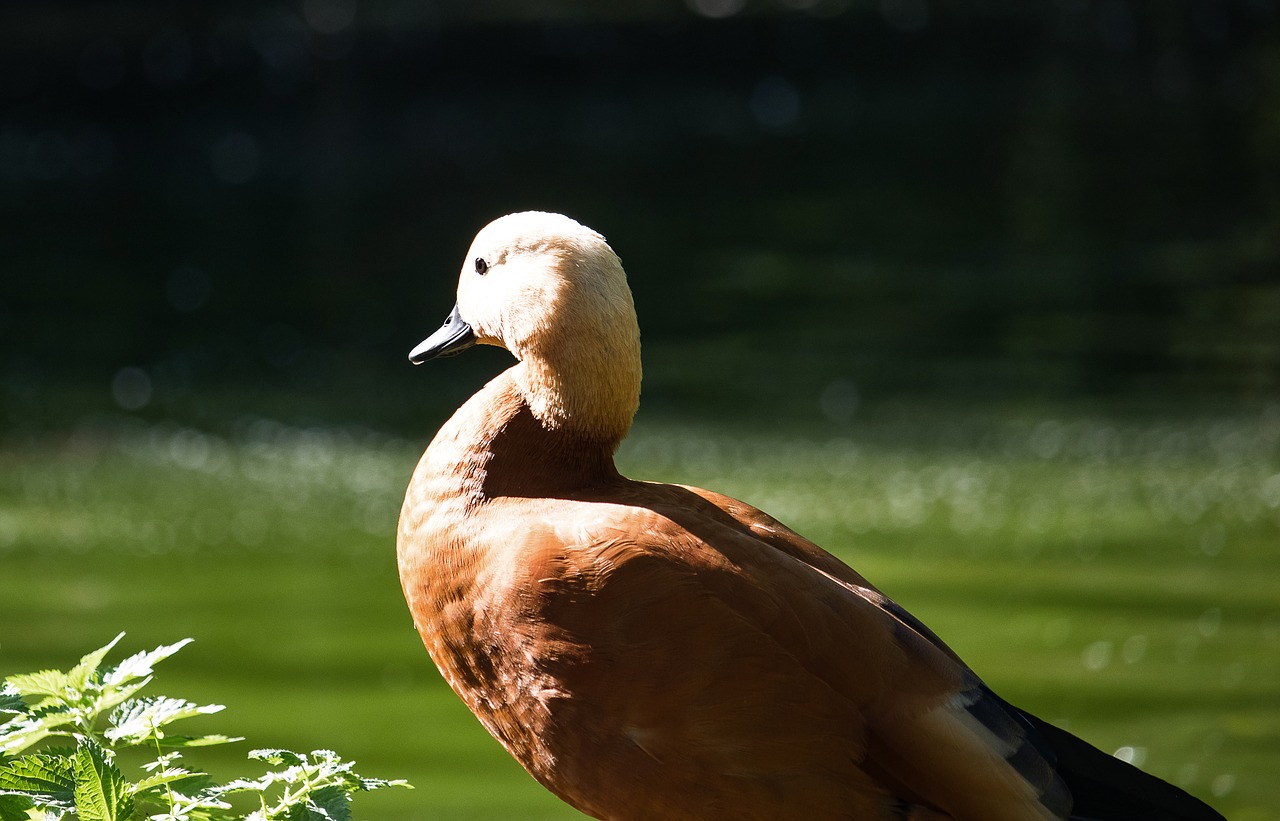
[454, 336]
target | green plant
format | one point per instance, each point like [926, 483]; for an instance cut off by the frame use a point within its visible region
[94, 714]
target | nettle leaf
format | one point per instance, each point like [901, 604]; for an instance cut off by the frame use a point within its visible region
[115, 695]
[332, 803]
[328, 759]
[140, 719]
[80, 675]
[244, 785]
[201, 806]
[48, 812]
[24, 731]
[371, 784]
[14, 807]
[101, 792]
[17, 807]
[11, 700]
[40, 685]
[139, 664]
[43, 774]
[304, 812]
[55, 811]
[84, 782]
[44, 810]
[275, 756]
[165, 777]
[37, 787]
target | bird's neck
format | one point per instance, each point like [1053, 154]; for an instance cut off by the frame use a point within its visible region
[588, 392]
[497, 445]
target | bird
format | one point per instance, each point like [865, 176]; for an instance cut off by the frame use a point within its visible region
[660, 651]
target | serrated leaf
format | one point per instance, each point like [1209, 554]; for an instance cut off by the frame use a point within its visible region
[276, 756]
[371, 784]
[83, 672]
[24, 731]
[333, 802]
[41, 684]
[244, 785]
[101, 791]
[24, 809]
[140, 719]
[40, 773]
[14, 807]
[115, 694]
[11, 700]
[301, 812]
[139, 664]
[203, 805]
[48, 810]
[172, 775]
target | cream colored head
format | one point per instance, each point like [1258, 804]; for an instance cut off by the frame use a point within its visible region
[553, 293]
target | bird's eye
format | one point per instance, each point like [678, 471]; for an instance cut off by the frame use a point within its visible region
[482, 267]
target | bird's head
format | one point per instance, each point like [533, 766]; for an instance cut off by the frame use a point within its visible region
[553, 293]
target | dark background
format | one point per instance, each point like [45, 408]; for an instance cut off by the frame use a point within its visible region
[219, 210]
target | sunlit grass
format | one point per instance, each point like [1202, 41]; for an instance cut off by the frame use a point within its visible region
[1120, 578]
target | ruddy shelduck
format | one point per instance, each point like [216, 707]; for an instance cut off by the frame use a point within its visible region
[655, 651]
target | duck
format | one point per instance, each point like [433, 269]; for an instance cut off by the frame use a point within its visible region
[659, 651]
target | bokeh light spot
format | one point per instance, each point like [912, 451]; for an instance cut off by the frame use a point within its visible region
[717, 8]
[131, 388]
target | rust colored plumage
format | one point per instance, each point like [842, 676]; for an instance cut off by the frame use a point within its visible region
[654, 651]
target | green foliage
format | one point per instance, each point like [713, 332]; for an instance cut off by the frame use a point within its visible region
[97, 714]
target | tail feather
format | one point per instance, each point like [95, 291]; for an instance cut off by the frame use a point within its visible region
[1104, 788]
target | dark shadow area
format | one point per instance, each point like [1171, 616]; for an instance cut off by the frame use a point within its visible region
[220, 212]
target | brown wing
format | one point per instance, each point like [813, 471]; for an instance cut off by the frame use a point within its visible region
[704, 670]
[781, 537]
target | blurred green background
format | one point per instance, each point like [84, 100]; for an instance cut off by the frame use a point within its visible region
[985, 297]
